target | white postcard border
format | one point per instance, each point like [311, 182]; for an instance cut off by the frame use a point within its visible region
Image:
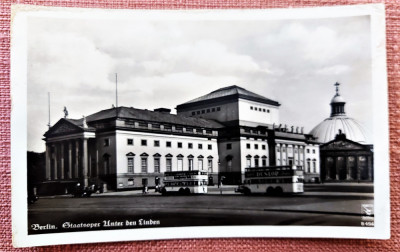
[20, 13]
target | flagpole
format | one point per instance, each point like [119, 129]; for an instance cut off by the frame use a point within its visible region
[48, 104]
[116, 90]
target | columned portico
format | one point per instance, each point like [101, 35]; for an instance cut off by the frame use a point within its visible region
[67, 155]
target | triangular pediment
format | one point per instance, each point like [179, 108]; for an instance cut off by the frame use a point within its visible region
[63, 127]
[342, 145]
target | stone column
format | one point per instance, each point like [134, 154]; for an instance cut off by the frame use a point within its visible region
[76, 172]
[55, 162]
[85, 162]
[348, 167]
[69, 160]
[48, 162]
[62, 161]
[97, 163]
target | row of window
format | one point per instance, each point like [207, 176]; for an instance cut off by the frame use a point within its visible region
[259, 109]
[168, 164]
[256, 161]
[168, 144]
[290, 150]
[314, 165]
[203, 111]
[248, 146]
[166, 127]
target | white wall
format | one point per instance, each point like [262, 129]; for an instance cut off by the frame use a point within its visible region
[123, 148]
[252, 151]
[227, 112]
[246, 114]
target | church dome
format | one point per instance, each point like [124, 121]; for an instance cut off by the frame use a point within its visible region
[329, 128]
[339, 122]
[337, 99]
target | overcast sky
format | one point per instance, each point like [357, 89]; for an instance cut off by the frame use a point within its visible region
[166, 63]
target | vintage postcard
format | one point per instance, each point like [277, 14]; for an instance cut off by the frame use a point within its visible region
[162, 124]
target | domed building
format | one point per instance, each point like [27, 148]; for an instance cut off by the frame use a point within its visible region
[344, 154]
[338, 121]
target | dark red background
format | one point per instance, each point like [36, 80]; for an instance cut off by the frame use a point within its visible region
[393, 39]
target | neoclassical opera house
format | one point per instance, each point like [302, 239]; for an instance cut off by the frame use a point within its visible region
[345, 154]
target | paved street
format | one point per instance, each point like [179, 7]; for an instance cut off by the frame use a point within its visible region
[131, 209]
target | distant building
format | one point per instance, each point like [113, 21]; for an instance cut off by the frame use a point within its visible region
[223, 132]
[345, 155]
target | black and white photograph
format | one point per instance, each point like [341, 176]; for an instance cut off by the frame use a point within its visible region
[160, 124]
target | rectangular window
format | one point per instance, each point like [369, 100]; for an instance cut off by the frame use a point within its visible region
[168, 144]
[264, 162]
[228, 146]
[256, 162]
[155, 126]
[130, 141]
[208, 131]
[203, 111]
[264, 110]
[213, 110]
[314, 165]
[210, 147]
[313, 151]
[180, 164]
[251, 107]
[208, 110]
[190, 145]
[193, 113]
[179, 145]
[263, 146]
[157, 165]
[189, 130]
[130, 182]
[308, 150]
[143, 124]
[130, 164]
[144, 142]
[179, 128]
[210, 165]
[218, 108]
[190, 164]
[168, 127]
[144, 165]
[248, 162]
[106, 142]
[156, 143]
[256, 146]
[248, 146]
[198, 112]
[200, 146]
[200, 164]
[169, 164]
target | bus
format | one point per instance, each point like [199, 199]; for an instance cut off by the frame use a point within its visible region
[273, 180]
[185, 182]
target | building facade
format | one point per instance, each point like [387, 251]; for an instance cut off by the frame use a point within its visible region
[222, 132]
[252, 135]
